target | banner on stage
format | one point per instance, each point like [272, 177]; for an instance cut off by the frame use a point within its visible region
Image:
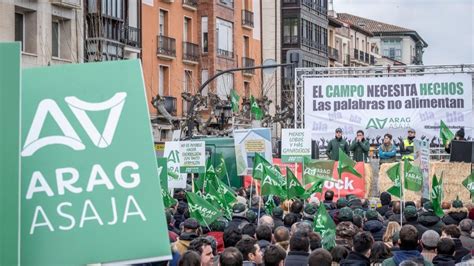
[382, 105]
[295, 145]
[247, 143]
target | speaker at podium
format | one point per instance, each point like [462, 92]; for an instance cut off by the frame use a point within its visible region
[462, 151]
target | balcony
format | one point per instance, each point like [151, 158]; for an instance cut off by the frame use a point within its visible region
[247, 19]
[166, 47]
[361, 56]
[225, 53]
[170, 104]
[291, 40]
[190, 53]
[67, 3]
[248, 62]
[372, 60]
[347, 60]
[333, 53]
[131, 36]
[367, 58]
[190, 4]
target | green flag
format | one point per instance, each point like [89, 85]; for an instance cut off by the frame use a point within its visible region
[226, 192]
[317, 186]
[445, 134]
[209, 177]
[293, 186]
[315, 170]
[255, 109]
[437, 195]
[221, 169]
[394, 174]
[271, 183]
[468, 183]
[168, 200]
[324, 225]
[346, 165]
[234, 100]
[202, 210]
[269, 205]
[413, 178]
[259, 163]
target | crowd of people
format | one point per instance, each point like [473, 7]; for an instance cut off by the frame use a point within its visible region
[385, 234]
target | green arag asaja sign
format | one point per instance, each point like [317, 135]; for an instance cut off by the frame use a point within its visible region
[90, 191]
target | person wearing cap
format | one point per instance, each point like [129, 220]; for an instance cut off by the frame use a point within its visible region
[387, 151]
[466, 237]
[374, 225]
[453, 232]
[429, 241]
[277, 215]
[360, 147]
[308, 213]
[458, 136]
[411, 215]
[407, 146]
[429, 219]
[456, 213]
[239, 216]
[332, 150]
[189, 233]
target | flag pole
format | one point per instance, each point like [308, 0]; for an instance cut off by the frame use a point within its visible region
[192, 182]
[402, 186]
[259, 200]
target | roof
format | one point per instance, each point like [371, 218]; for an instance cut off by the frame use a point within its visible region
[377, 27]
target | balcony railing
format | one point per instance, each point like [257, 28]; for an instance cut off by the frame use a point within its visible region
[372, 60]
[131, 36]
[290, 39]
[361, 56]
[225, 53]
[170, 104]
[347, 61]
[247, 18]
[367, 58]
[333, 53]
[166, 46]
[190, 4]
[190, 52]
[248, 62]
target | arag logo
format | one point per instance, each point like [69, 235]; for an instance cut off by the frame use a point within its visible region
[391, 123]
[70, 138]
[376, 123]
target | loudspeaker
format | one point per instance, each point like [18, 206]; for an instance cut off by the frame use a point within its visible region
[462, 151]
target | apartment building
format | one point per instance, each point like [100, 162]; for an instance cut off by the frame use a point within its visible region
[50, 30]
[111, 29]
[186, 42]
[399, 44]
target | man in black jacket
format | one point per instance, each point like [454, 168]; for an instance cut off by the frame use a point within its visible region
[359, 256]
[299, 247]
[445, 250]
[385, 199]
[411, 217]
[328, 200]
[429, 219]
[373, 225]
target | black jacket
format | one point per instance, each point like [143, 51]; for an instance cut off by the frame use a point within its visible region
[444, 260]
[355, 259]
[376, 228]
[329, 204]
[238, 222]
[460, 251]
[431, 221]
[454, 217]
[383, 210]
[297, 258]
[277, 222]
[421, 229]
[332, 149]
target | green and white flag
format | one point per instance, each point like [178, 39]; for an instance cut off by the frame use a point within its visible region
[293, 186]
[227, 193]
[346, 164]
[221, 169]
[271, 183]
[168, 200]
[413, 177]
[468, 183]
[324, 225]
[437, 195]
[394, 174]
[259, 163]
[255, 109]
[234, 100]
[202, 210]
[315, 170]
[445, 134]
[269, 205]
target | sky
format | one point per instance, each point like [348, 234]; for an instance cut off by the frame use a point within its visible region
[446, 25]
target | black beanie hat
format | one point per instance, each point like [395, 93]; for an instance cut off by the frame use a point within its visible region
[460, 133]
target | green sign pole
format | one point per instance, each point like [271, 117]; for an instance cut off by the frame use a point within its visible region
[89, 186]
[10, 146]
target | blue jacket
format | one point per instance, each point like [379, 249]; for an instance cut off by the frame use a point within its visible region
[387, 153]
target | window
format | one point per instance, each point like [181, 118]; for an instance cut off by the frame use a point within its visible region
[224, 84]
[204, 78]
[246, 50]
[163, 78]
[204, 37]
[187, 87]
[20, 29]
[225, 38]
[247, 89]
[392, 48]
[163, 23]
[55, 36]
[187, 30]
[290, 31]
